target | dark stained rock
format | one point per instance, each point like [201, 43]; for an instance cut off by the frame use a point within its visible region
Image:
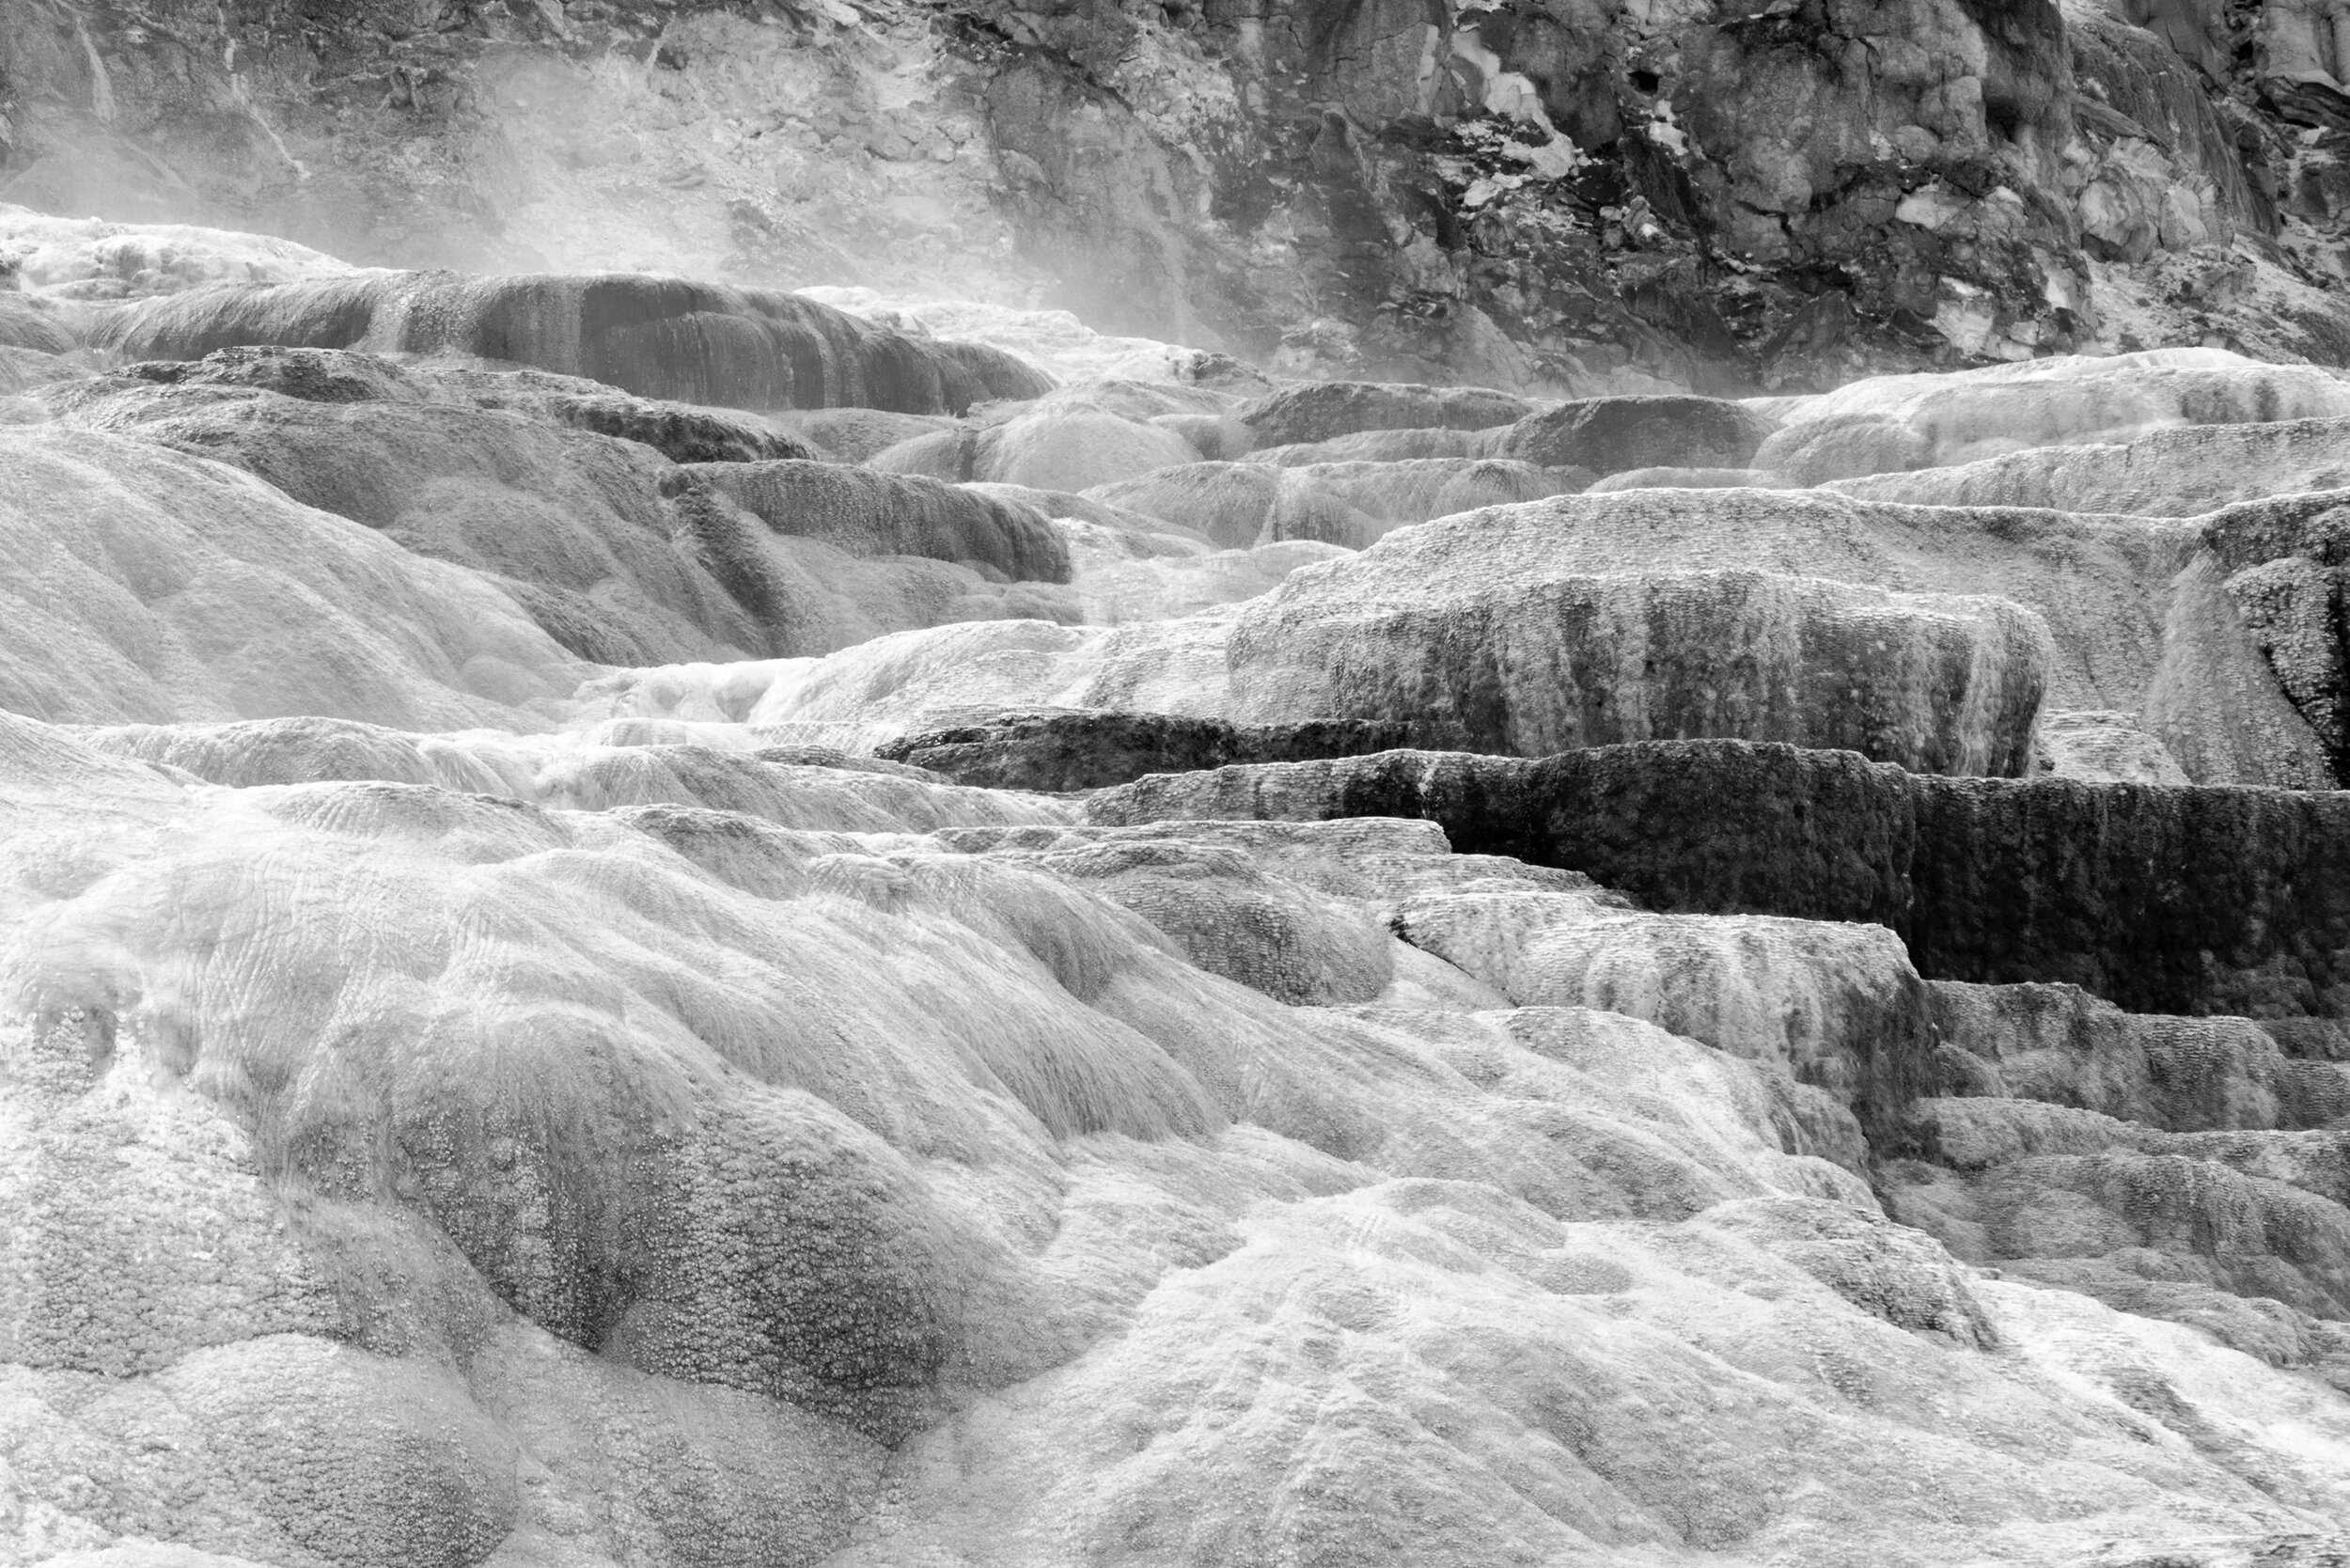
[1088, 749]
[678, 431]
[2185, 900]
[1609, 435]
[1817, 200]
[867, 513]
[1319, 410]
[683, 432]
[656, 337]
[313, 375]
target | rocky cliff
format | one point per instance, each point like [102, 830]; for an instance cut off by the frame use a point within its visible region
[1529, 194]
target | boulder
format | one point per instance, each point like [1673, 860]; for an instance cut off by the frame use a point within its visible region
[2103, 746]
[1609, 435]
[1319, 410]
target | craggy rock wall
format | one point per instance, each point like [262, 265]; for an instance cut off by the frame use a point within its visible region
[2180, 901]
[1532, 194]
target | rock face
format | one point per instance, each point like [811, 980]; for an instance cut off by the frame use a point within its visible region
[1604, 199]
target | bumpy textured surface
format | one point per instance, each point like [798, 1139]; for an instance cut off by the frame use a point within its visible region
[658, 337]
[2181, 899]
[594, 980]
[1547, 198]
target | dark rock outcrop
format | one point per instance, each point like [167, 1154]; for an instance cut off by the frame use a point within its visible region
[1323, 411]
[1592, 200]
[1609, 435]
[1082, 749]
[867, 513]
[682, 432]
[2181, 899]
